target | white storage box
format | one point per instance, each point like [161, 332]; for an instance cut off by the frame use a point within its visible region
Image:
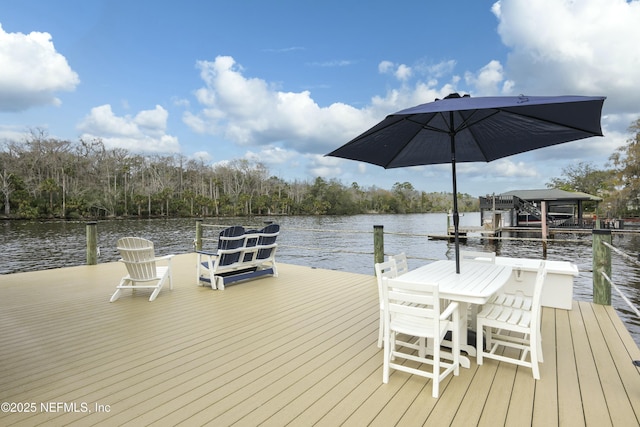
[558, 287]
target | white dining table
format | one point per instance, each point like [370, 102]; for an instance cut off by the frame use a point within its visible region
[475, 284]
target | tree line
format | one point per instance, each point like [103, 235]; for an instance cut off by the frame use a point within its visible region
[43, 177]
[618, 184]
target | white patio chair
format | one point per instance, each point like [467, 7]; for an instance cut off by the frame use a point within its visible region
[402, 265]
[497, 320]
[475, 256]
[388, 269]
[414, 309]
[139, 258]
[383, 269]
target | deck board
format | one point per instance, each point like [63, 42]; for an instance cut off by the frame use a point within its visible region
[570, 411]
[299, 349]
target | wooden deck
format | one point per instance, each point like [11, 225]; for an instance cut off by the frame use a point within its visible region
[299, 349]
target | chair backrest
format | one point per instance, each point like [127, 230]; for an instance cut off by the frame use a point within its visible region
[268, 238]
[138, 256]
[477, 256]
[385, 269]
[231, 238]
[401, 262]
[411, 302]
[536, 305]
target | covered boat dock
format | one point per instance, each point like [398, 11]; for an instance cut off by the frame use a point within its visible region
[521, 208]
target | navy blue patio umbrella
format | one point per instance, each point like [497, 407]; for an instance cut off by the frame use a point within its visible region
[468, 129]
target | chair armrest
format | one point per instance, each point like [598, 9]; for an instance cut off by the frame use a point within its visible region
[207, 253]
[453, 307]
[163, 257]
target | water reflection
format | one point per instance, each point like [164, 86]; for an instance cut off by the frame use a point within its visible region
[340, 243]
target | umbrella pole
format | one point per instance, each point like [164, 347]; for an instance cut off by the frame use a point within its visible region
[456, 217]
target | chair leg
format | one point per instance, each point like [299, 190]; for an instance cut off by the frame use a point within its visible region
[388, 345]
[534, 364]
[380, 330]
[435, 389]
[479, 348]
[156, 291]
[455, 334]
[118, 291]
[535, 354]
[539, 340]
[422, 346]
[116, 295]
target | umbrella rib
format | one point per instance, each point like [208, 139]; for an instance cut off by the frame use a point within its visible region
[553, 122]
[408, 141]
[466, 123]
[426, 125]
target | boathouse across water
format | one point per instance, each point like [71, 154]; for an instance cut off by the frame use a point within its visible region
[523, 208]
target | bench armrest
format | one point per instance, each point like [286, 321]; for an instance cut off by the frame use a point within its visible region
[207, 253]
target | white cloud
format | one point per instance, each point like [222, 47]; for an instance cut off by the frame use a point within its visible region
[488, 80]
[12, 133]
[326, 167]
[555, 47]
[440, 69]
[401, 72]
[250, 111]
[144, 132]
[202, 156]
[272, 156]
[385, 67]
[32, 71]
[333, 63]
[586, 47]
[509, 169]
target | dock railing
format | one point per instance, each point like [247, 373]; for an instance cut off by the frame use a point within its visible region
[602, 282]
[601, 244]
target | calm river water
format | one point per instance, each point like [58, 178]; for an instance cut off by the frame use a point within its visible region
[340, 243]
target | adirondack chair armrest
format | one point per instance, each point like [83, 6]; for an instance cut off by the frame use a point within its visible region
[164, 258]
[453, 306]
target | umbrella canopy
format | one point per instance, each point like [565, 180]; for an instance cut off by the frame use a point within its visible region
[465, 129]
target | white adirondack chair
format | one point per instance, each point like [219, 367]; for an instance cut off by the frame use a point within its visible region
[143, 272]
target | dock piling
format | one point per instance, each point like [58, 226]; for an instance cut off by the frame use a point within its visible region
[198, 241]
[378, 243]
[92, 243]
[601, 263]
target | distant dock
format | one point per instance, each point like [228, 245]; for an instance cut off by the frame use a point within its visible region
[463, 233]
[496, 233]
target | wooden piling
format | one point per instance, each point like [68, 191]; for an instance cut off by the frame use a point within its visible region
[601, 263]
[198, 242]
[378, 243]
[92, 243]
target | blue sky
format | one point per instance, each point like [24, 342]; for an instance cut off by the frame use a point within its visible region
[285, 82]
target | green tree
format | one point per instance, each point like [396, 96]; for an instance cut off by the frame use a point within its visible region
[586, 178]
[50, 187]
[626, 163]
